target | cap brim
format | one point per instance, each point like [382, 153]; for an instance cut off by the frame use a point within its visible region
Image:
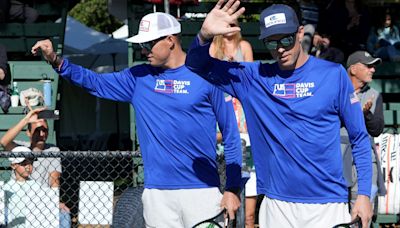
[275, 31]
[141, 39]
[375, 61]
[16, 160]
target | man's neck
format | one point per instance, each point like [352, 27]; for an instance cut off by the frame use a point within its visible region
[357, 84]
[20, 179]
[37, 146]
[177, 61]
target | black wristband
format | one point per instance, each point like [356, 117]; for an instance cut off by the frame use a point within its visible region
[56, 62]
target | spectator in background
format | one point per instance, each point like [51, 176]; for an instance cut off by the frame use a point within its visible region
[17, 189]
[176, 114]
[47, 170]
[360, 69]
[384, 40]
[346, 23]
[294, 109]
[309, 10]
[21, 12]
[322, 49]
[231, 47]
[3, 65]
[20, 193]
[5, 100]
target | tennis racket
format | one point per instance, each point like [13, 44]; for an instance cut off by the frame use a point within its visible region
[218, 221]
[355, 223]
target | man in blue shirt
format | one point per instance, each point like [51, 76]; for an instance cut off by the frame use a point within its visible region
[176, 114]
[294, 109]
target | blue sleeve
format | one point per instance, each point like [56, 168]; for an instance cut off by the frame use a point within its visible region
[118, 86]
[233, 78]
[351, 115]
[223, 109]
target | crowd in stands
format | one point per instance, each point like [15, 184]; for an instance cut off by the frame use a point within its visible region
[338, 28]
[17, 11]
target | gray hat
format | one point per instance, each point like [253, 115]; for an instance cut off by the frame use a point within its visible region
[362, 57]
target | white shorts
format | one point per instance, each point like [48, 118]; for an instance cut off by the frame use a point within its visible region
[179, 208]
[276, 213]
[251, 185]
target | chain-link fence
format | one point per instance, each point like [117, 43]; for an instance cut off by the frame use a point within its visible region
[71, 189]
[76, 189]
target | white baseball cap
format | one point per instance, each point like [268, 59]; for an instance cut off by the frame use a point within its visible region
[155, 25]
[17, 160]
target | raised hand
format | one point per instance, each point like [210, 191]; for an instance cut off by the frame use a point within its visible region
[218, 20]
[368, 105]
[47, 50]
[31, 117]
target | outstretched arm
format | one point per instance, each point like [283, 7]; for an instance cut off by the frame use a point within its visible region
[118, 86]
[7, 140]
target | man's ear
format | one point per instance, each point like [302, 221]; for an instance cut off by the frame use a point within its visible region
[171, 40]
[300, 32]
[13, 166]
[353, 70]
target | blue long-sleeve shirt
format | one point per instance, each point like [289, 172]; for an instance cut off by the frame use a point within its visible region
[176, 114]
[294, 120]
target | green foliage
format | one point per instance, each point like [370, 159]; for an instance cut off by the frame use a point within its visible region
[94, 14]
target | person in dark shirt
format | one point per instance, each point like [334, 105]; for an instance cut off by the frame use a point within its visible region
[3, 64]
[360, 69]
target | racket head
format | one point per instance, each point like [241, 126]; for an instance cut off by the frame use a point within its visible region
[355, 223]
[218, 221]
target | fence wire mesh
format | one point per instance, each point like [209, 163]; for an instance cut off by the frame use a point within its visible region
[70, 189]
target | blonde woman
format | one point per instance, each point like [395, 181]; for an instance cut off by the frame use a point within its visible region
[231, 47]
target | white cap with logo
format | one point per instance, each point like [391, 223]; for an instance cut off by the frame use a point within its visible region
[156, 25]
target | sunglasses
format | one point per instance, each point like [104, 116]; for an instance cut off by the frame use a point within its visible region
[150, 44]
[285, 42]
[369, 65]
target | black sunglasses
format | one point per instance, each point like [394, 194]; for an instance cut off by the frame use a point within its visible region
[285, 42]
[369, 65]
[150, 44]
[354, 223]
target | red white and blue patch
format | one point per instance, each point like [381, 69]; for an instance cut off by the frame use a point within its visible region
[294, 90]
[354, 98]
